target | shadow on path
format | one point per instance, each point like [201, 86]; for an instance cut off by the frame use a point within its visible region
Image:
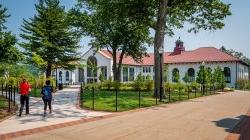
[238, 127]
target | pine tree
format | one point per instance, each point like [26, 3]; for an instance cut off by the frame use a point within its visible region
[8, 52]
[49, 37]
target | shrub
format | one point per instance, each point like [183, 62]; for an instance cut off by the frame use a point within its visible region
[227, 89]
[149, 85]
[242, 84]
[194, 85]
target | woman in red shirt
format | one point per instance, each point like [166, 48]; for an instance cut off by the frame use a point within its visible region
[24, 89]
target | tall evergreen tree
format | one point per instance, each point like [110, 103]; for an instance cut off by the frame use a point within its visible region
[8, 52]
[49, 37]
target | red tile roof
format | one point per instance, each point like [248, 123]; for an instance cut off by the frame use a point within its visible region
[207, 54]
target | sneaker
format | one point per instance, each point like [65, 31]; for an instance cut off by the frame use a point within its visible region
[44, 114]
[50, 111]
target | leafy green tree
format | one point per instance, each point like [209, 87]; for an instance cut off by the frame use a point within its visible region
[176, 76]
[236, 54]
[167, 15]
[186, 78]
[49, 37]
[120, 27]
[219, 78]
[202, 76]
[8, 52]
[209, 73]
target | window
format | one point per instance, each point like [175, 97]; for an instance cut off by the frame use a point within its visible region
[104, 72]
[131, 74]
[92, 67]
[67, 75]
[191, 74]
[227, 74]
[81, 75]
[60, 76]
[175, 75]
[146, 69]
[125, 74]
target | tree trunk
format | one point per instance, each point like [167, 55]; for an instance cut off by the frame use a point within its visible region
[48, 70]
[115, 69]
[158, 43]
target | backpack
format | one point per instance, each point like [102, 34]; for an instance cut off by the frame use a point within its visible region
[47, 92]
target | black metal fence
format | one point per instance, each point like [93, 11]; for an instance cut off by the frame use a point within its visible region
[93, 96]
[9, 92]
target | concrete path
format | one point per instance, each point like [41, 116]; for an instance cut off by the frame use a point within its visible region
[64, 110]
[207, 118]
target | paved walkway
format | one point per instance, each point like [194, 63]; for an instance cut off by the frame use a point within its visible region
[64, 110]
[207, 118]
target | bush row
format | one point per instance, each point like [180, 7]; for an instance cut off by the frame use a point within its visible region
[243, 84]
[147, 85]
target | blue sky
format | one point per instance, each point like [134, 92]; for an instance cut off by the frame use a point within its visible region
[235, 35]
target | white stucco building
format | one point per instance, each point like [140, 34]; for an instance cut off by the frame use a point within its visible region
[180, 61]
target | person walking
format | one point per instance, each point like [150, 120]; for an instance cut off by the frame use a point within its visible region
[46, 92]
[24, 91]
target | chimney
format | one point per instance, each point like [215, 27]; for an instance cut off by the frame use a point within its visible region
[179, 46]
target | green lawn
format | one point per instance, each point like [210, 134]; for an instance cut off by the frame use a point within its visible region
[127, 100]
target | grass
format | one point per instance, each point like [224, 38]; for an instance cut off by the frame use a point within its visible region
[127, 100]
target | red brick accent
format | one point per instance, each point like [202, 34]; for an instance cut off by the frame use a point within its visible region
[62, 125]
[242, 130]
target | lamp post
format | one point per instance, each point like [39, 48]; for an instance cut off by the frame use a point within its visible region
[56, 60]
[161, 51]
[203, 77]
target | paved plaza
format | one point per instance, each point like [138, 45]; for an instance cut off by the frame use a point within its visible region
[64, 110]
[206, 118]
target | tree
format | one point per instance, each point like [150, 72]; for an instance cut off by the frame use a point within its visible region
[172, 14]
[120, 27]
[202, 76]
[236, 54]
[49, 37]
[186, 78]
[8, 52]
[219, 78]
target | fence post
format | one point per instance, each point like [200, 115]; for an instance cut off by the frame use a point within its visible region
[93, 98]
[188, 92]
[156, 97]
[9, 99]
[139, 97]
[11, 93]
[14, 95]
[2, 89]
[195, 91]
[169, 95]
[179, 94]
[116, 99]
[6, 91]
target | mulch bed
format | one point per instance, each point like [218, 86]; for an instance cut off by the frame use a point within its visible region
[4, 107]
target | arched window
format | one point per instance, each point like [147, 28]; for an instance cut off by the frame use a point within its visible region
[191, 74]
[67, 75]
[227, 74]
[92, 67]
[81, 74]
[175, 75]
[60, 76]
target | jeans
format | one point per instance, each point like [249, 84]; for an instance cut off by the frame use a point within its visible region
[46, 103]
[24, 99]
